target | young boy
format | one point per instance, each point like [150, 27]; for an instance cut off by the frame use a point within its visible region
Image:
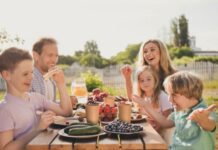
[18, 111]
[194, 123]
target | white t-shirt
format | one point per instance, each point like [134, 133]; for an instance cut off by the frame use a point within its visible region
[164, 103]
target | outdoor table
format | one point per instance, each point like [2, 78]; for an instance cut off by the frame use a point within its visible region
[50, 139]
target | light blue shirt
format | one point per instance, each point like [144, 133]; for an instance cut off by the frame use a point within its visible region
[188, 134]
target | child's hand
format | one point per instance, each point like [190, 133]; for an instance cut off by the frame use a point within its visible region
[153, 123]
[140, 101]
[201, 116]
[126, 71]
[47, 118]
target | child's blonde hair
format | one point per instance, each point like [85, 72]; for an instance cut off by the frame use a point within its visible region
[185, 83]
[156, 89]
[165, 64]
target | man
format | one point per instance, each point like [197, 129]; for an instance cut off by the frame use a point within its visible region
[45, 55]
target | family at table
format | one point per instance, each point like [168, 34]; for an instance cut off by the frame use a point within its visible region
[168, 97]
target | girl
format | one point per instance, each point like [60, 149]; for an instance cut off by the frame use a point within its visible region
[18, 111]
[148, 88]
[155, 54]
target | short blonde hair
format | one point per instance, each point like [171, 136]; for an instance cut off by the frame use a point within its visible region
[185, 83]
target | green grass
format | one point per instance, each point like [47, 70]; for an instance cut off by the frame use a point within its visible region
[213, 84]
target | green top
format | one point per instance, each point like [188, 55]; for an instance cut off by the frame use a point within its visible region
[188, 134]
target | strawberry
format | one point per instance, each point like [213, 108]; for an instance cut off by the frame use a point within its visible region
[96, 91]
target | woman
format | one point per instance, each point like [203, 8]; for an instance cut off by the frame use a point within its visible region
[155, 54]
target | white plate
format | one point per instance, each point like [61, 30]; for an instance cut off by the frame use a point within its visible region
[66, 122]
[106, 122]
[139, 119]
[122, 133]
[62, 133]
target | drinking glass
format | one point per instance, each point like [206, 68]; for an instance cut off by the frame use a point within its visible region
[79, 90]
[125, 112]
[92, 113]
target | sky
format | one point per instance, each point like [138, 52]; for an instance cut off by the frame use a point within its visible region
[113, 24]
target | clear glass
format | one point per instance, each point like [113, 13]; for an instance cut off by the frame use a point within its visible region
[79, 90]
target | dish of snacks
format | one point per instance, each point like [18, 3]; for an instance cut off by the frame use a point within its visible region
[81, 131]
[123, 128]
[107, 113]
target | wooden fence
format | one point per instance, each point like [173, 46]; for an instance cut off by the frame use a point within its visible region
[111, 76]
[205, 70]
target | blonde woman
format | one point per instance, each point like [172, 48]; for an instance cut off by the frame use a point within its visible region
[155, 54]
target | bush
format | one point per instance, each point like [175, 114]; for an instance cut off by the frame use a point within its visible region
[212, 59]
[178, 52]
[92, 81]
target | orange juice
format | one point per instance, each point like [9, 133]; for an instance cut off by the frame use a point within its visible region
[79, 88]
[79, 91]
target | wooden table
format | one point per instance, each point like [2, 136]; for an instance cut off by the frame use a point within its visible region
[149, 140]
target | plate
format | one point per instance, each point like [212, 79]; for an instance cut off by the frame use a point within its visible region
[66, 122]
[122, 133]
[62, 133]
[106, 122]
[135, 119]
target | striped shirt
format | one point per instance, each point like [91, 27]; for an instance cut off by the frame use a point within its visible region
[39, 85]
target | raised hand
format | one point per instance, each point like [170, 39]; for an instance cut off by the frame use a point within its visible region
[202, 117]
[201, 114]
[126, 71]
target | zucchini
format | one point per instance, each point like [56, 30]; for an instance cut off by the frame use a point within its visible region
[66, 130]
[87, 130]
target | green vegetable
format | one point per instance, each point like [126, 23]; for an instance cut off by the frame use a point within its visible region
[84, 130]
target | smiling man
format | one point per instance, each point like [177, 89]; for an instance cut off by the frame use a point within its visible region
[45, 55]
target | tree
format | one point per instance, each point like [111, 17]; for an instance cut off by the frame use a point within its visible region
[7, 40]
[91, 55]
[128, 56]
[174, 29]
[179, 29]
[183, 31]
[91, 47]
[68, 60]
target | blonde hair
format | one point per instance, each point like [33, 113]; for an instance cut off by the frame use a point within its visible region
[156, 89]
[185, 83]
[165, 64]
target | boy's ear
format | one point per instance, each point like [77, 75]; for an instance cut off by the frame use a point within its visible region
[6, 75]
